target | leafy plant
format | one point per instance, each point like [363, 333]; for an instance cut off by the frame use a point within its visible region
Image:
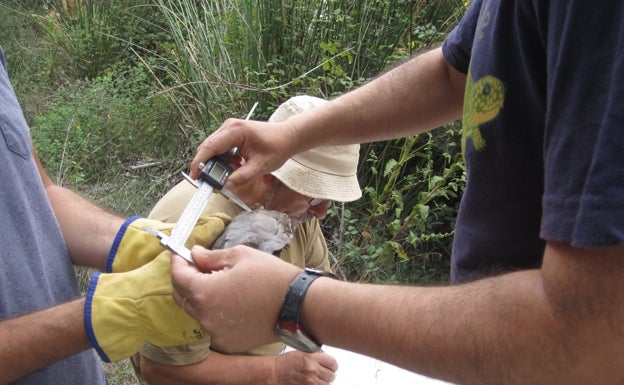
[94, 129]
[169, 72]
[27, 54]
[94, 35]
[404, 226]
[227, 54]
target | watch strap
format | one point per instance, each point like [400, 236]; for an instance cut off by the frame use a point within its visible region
[291, 309]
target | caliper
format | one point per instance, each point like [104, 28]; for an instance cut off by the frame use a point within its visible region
[213, 175]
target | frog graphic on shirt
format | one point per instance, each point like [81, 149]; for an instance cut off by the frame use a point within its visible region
[483, 101]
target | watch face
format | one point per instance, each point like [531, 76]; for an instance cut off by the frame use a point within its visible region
[292, 336]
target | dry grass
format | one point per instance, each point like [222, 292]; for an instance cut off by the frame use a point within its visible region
[120, 373]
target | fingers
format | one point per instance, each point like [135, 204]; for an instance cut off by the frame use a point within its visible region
[328, 361]
[327, 376]
[209, 260]
[182, 277]
[308, 368]
[188, 280]
[216, 144]
[263, 148]
[327, 367]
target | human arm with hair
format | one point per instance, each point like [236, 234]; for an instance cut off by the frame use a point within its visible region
[419, 95]
[291, 368]
[557, 324]
[34, 340]
[88, 229]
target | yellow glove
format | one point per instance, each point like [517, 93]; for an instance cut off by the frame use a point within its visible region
[125, 310]
[134, 247]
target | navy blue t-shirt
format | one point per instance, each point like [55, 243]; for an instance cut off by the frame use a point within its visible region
[543, 130]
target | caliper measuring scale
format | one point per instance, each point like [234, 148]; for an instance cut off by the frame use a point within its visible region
[213, 176]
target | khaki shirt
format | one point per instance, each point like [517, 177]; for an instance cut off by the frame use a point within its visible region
[307, 249]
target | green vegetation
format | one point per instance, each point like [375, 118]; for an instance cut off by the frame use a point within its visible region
[118, 94]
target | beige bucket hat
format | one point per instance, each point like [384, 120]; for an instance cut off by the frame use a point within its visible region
[326, 172]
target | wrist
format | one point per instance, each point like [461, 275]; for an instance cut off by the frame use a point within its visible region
[311, 313]
[289, 326]
[117, 241]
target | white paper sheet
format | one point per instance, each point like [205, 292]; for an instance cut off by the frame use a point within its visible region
[357, 369]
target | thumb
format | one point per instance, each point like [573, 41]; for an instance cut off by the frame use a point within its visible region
[208, 260]
[185, 276]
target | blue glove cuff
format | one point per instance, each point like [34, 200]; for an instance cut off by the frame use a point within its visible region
[114, 248]
[88, 320]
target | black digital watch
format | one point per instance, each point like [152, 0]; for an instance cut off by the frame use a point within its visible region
[288, 328]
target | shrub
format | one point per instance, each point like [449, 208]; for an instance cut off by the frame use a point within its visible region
[94, 35]
[147, 80]
[94, 129]
[228, 54]
[401, 230]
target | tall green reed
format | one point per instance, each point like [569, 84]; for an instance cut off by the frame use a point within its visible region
[214, 58]
[84, 33]
[227, 54]
[94, 35]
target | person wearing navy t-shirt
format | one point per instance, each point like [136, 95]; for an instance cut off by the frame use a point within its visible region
[538, 254]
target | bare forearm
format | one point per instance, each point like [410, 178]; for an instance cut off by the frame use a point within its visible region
[291, 368]
[417, 96]
[441, 332]
[508, 329]
[33, 341]
[216, 369]
[88, 229]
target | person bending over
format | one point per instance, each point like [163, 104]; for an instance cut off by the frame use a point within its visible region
[302, 188]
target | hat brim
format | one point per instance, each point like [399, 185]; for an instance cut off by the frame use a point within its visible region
[315, 184]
